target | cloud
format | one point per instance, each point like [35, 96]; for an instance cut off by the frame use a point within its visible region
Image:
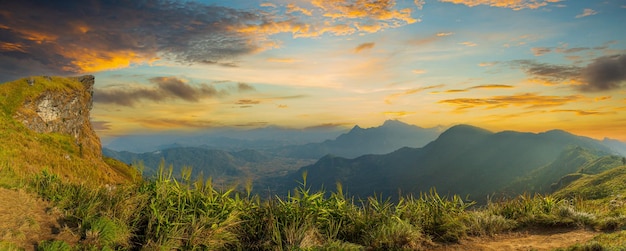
[602, 98]
[468, 44]
[389, 99]
[487, 64]
[582, 112]
[603, 74]
[291, 8]
[338, 17]
[398, 113]
[247, 102]
[101, 125]
[431, 39]
[267, 4]
[282, 60]
[548, 72]
[252, 124]
[418, 71]
[327, 126]
[527, 100]
[364, 46]
[174, 123]
[91, 36]
[419, 4]
[372, 10]
[479, 87]
[243, 87]
[586, 13]
[164, 88]
[511, 4]
[540, 51]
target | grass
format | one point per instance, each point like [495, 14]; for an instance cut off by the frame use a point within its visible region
[168, 213]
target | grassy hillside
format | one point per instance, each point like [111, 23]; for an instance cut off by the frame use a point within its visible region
[571, 164]
[25, 152]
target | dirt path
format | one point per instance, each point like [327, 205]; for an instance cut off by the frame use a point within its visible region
[532, 240]
[26, 220]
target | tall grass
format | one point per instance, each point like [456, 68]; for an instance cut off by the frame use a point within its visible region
[167, 213]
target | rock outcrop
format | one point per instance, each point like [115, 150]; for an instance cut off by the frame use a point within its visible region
[63, 110]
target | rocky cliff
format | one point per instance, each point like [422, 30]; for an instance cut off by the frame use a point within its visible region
[46, 125]
[63, 111]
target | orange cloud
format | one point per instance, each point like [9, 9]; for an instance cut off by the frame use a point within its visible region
[282, 60]
[602, 98]
[291, 8]
[5, 46]
[418, 71]
[398, 113]
[373, 9]
[511, 4]
[389, 99]
[527, 100]
[267, 4]
[583, 112]
[479, 87]
[364, 46]
[87, 60]
[468, 44]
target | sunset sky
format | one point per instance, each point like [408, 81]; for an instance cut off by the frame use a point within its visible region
[525, 65]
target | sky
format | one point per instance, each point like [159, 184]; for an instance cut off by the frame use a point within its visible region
[524, 65]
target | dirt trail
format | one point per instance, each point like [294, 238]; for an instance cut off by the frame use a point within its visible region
[25, 220]
[532, 240]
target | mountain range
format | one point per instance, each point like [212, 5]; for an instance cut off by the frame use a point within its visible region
[228, 139]
[390, 136]
[464, 160]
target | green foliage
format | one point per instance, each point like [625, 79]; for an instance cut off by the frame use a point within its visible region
[7, 246]
[53, 246]
[607, 241]
[168, 213]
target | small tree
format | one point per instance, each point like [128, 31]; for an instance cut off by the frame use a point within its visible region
[623, 160]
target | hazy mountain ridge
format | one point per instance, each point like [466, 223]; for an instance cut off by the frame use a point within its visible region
[224, 166]
[228, 139]
[388, 137]
[463, 160]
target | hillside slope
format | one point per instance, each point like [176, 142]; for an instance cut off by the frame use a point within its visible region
[464, 160]
[45, 125]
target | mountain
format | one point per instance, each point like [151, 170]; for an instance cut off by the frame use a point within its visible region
[227, 139]
[463, 160]
[609, 186]
[45, 126]
[386, 138]
[223, 166]
[572, 162]
[615, 145]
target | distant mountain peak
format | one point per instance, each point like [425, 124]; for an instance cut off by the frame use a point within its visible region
[394, 122]
[558, 132]
[466, 129]
[356, 128]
